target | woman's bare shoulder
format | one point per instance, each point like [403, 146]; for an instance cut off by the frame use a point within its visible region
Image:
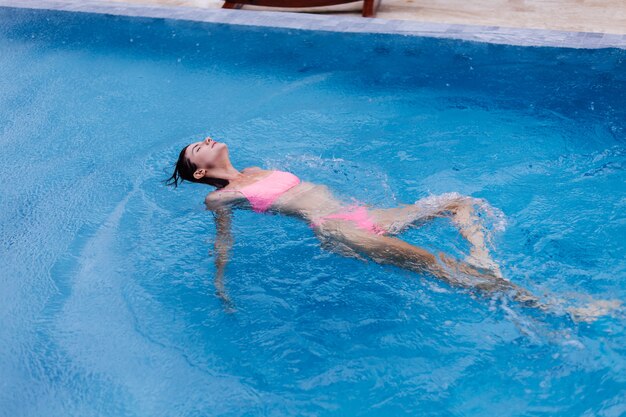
[222, 198]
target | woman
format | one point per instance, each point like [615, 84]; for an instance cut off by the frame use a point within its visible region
[348, 229]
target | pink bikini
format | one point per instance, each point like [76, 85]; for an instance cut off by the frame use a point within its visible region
[264, 192]
[355, 214]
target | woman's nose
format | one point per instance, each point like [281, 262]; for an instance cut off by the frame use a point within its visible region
[207, 140]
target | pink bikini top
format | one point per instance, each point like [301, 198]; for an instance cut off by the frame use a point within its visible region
[264, 192]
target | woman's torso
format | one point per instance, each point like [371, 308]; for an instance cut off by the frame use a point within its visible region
[304, 199]
[308, 200]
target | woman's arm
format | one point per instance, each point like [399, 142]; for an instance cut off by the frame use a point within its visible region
[223, 244]
[220, 204]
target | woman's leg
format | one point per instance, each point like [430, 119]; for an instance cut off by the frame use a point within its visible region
[352, 241]
[473, 230]
[397, 219]
[461, 211]
[393, 251]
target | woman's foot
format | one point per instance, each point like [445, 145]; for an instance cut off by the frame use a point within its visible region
[594, 310]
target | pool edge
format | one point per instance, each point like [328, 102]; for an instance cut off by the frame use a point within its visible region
[349, 24]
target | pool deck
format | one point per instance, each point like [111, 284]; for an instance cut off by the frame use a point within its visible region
[602, 16]
[352, 22]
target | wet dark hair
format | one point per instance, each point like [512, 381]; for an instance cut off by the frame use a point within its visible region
[184, 169]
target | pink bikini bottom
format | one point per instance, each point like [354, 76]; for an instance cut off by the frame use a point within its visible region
[355, 214]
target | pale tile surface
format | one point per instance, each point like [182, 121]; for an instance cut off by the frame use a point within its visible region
[343, 22]
[604, 16]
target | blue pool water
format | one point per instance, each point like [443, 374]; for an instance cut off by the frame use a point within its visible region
[107, 303]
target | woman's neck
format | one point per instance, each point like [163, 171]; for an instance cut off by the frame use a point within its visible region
[230, 173]
[224, 176]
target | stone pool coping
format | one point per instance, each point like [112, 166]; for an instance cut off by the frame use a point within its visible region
[302, 21]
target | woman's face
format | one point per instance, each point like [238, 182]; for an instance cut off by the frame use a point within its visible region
[207, 154]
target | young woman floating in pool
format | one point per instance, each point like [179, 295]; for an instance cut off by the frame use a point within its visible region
[349, 229]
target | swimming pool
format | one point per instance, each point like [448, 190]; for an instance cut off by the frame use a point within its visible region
[108, 305]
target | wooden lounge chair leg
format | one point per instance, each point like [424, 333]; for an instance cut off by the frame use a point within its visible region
[368, 8]
[231, 5]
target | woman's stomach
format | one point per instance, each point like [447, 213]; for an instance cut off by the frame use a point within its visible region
[307, 200]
